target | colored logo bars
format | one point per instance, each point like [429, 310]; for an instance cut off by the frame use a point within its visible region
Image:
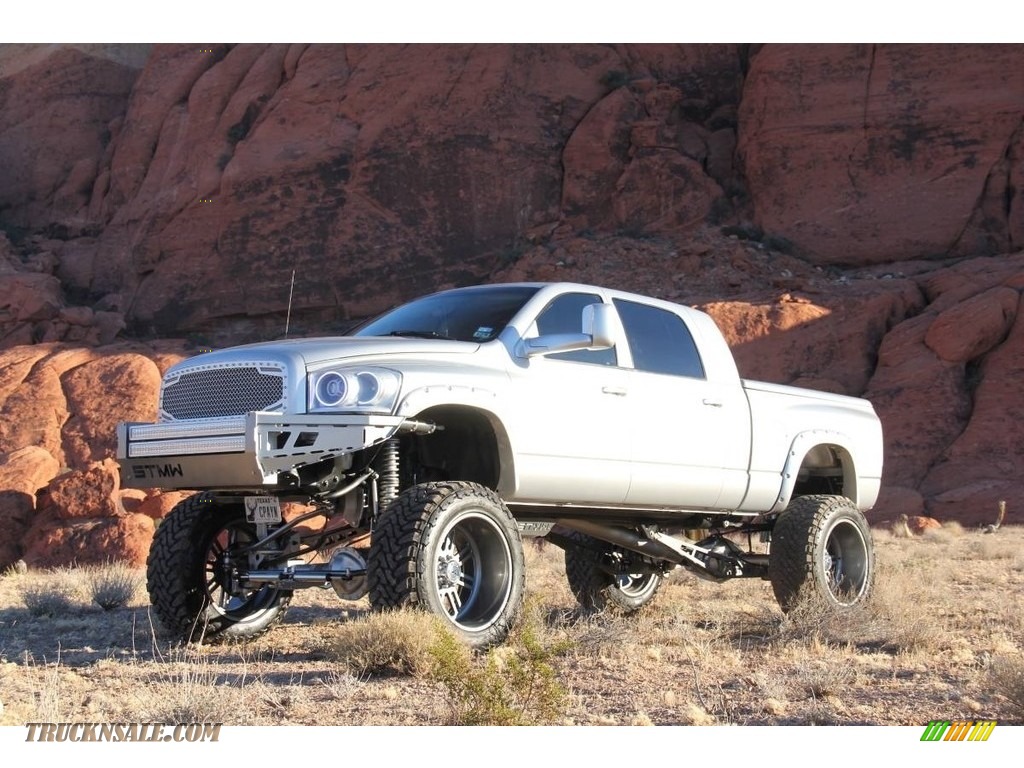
[958, 730]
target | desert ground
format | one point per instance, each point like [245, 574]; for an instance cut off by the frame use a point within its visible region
[941, 638]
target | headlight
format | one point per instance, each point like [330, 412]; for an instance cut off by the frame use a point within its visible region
[372, 390]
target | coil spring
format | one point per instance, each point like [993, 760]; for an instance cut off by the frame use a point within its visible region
[386, 465]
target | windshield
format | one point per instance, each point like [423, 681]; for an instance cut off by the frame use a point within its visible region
[472, 314]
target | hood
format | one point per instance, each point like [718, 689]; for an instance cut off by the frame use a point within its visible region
[314, 351]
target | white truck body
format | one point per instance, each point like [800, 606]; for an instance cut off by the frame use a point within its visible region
[446, 429]
[569, 433]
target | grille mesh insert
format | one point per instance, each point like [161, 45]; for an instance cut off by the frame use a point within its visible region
[206, 393]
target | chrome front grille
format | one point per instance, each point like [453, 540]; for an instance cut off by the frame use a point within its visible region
[211, 391]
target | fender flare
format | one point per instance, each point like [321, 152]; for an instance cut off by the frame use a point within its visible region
[480, 399]
[802, 444]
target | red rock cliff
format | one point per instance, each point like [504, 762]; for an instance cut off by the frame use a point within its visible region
[849, 214]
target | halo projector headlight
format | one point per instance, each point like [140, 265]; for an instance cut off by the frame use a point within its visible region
[372, 390]
[331, 389]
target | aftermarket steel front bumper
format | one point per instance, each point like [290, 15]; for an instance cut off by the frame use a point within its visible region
[247, 451]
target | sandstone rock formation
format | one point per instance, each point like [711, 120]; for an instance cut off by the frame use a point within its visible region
[59, 406]
[849, 214]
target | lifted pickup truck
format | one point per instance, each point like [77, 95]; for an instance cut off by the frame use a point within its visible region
[427, 443]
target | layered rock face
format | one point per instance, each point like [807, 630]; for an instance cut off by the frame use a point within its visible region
[850, 215]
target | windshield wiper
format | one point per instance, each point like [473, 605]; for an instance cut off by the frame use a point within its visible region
[422, 335]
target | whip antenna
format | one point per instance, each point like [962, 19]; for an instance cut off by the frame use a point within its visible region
[288, 317]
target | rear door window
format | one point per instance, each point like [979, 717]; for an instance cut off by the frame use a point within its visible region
[659, 340]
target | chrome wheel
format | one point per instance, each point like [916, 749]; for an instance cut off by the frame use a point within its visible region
[638, 586]
[821, 550]
[223, 556]
[473, 571]
[451, 548]
[845, 562]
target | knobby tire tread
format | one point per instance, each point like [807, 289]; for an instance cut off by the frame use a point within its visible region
[177, 551]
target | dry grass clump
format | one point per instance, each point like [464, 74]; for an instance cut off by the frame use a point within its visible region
[188, 689]
[390, 642]
[825, 677]
[813, 622]
[991, 548]
[1007, 678]
[341, 686]
[113, 585]
[900, 615]
[905, 609]
[50, 595]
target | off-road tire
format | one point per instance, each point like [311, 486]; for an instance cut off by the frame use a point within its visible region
[181, 588]
[821, 550]
[594, 588]
[435, 535]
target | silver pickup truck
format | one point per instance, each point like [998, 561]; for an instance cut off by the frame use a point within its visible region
[424, 446]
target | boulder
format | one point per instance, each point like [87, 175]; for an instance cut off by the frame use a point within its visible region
[101, 393]
[93, 492]
[159, 505]
[918, 524]
[22, 474]
[973, 327]
[54, 542]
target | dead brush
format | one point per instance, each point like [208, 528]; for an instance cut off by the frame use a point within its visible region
[824, 677]
[51, 594]
[1006, 676]
[113, 585]
[814, 622]
[188, 689]
[904, 611]
[390, 642]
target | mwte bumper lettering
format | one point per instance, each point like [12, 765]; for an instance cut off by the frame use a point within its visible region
[240, 451]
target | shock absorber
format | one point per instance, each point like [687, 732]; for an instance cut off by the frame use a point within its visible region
[386, 464]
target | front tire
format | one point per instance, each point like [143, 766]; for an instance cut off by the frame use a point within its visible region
[191, 592]
[821, 549]
[595, 588]
[453, 549]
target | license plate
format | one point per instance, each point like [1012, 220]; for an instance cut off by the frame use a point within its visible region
[262, 509]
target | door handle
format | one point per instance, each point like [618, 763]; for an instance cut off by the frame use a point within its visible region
[712, 403]
[620, 391]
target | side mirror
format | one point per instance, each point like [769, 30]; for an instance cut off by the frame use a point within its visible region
[597, 322]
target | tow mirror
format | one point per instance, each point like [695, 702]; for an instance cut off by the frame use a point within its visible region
[597, 322]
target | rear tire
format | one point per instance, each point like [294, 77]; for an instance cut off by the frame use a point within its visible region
[453, 549]
[191, 594]
[595, 588]
[821, 549]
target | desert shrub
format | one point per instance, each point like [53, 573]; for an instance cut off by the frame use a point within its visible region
[992, 548]
[512, 685]
[114, 585]
[188, 689]
[51, 595]
[1007, 679]
[389, 642]
[829, 677]
[900, 616]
